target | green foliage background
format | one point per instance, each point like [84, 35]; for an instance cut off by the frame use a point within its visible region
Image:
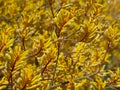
[59, 44]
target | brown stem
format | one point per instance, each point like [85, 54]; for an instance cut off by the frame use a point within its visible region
[51, 7]
[86, 34]
[2, 46]
[26, 82]
[46, 66]
[52, 11]
[23, 42]
[10, 79]
[36, 52]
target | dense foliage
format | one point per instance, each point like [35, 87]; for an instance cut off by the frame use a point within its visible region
[59, 44]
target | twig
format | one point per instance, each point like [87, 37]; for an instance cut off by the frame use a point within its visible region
[51, 7]
[46, 66]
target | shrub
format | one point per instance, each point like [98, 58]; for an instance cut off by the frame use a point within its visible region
[59, 44]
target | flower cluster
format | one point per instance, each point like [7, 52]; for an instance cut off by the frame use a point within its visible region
[59, 44]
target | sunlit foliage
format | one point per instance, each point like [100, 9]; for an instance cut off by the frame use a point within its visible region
[59, 44]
